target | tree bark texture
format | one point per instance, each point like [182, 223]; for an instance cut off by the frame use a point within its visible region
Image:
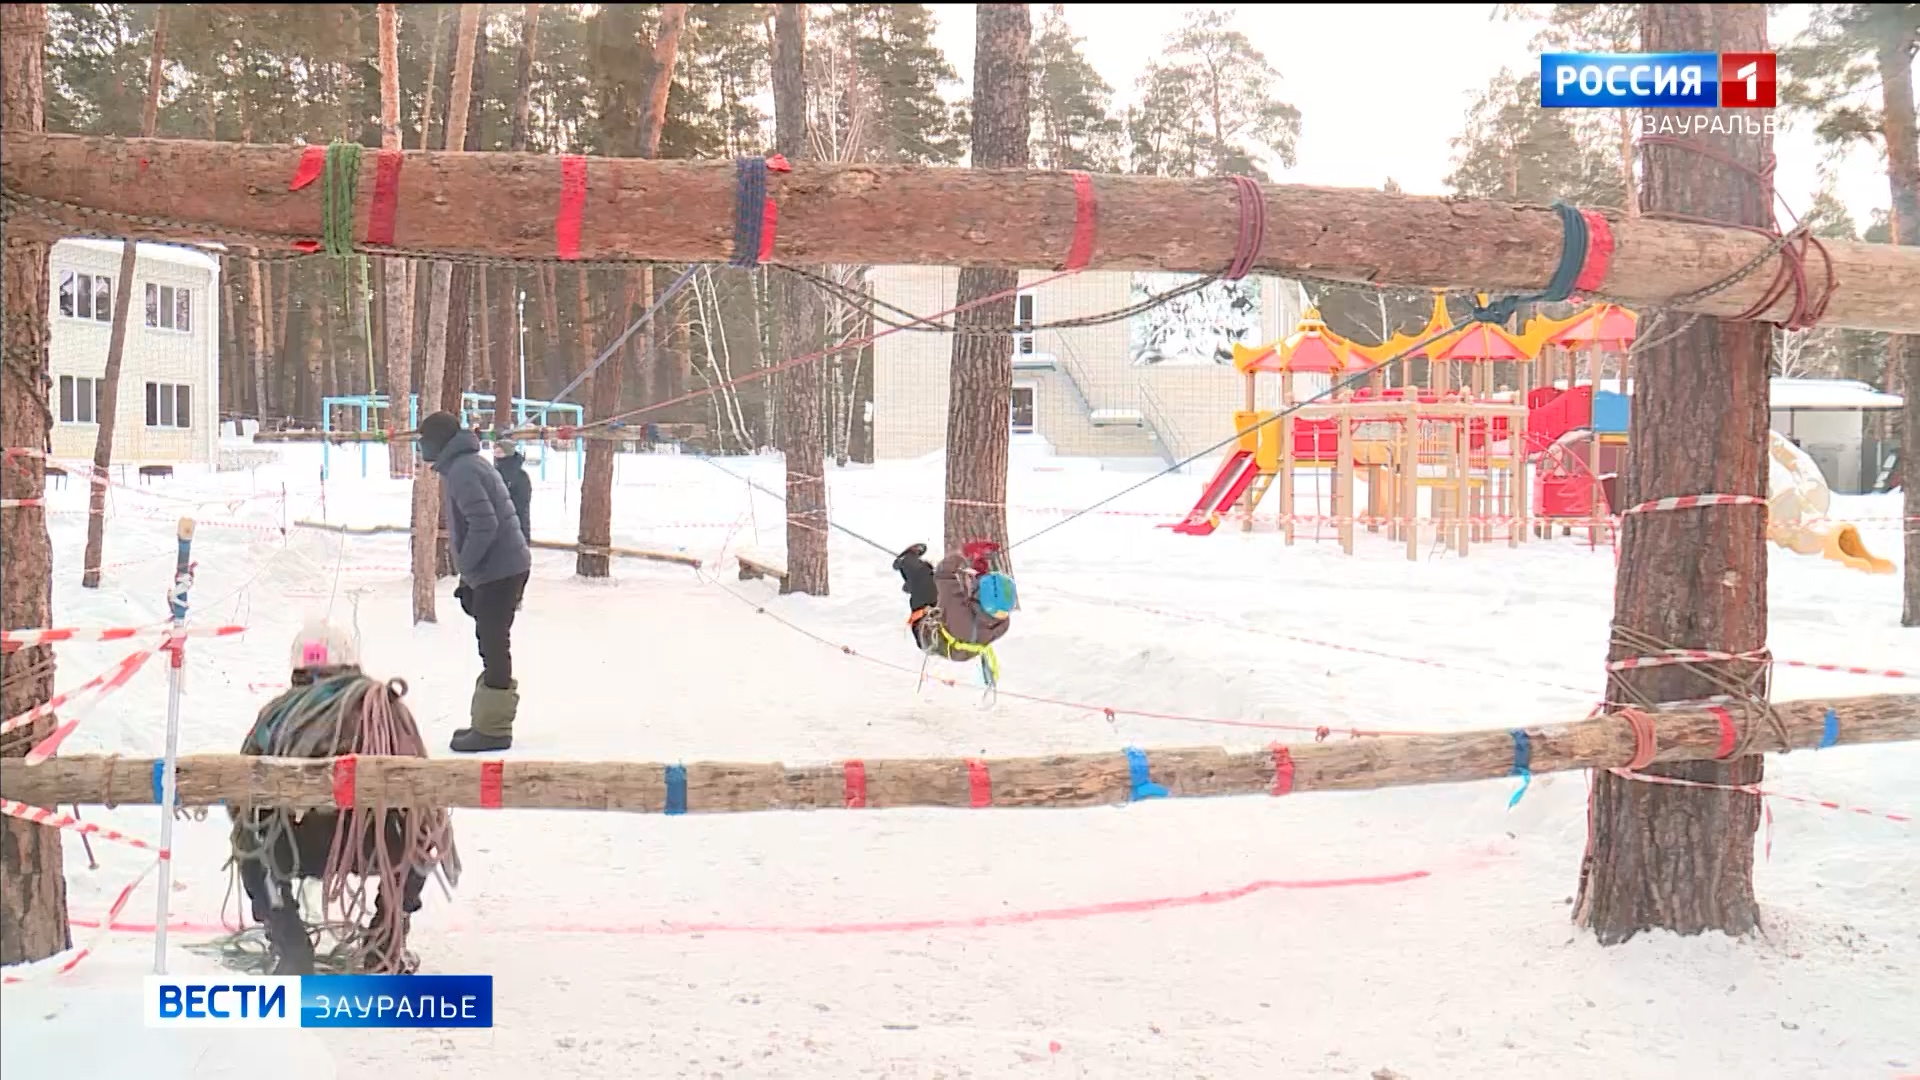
[980, 396]
[394, 279]
[107, 416]
[1658, 856]
[682, 211]
[642, 139]
[802, 332]
[33, 884]
[1055, 781]
[426, 483]
[506, 364]
[596, 477]
[1903, 176]
[106, 412]
[257, 323]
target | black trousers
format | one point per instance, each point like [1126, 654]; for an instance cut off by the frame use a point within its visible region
[492, 606]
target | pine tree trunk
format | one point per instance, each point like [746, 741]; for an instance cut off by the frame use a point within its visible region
[106, 413]
[802, 332]
[507, 358]
[33, 883]
[257, 323]
[553, 336]
[107, 416]
[1658, 856]
[426, 485]
[232, 362]
[285, 376]
[596, 483]
[596, 479]
[1903, 176]
[395, 283]
[980, 403]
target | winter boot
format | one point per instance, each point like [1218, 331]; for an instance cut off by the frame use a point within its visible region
[287, 941]
[493, 713]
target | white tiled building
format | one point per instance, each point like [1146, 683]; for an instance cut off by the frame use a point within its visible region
[1084, 392]
[170, 373]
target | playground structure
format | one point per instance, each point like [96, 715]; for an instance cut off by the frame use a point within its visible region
[370, 409]
[1535, 459]
[1797, 502]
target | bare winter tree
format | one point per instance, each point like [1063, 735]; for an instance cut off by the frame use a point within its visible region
[33, 883]
[635, 130]
[802, 424]
[107, 413]
[1658, 856]
[980, 405]
[396, 279]
[426, 486]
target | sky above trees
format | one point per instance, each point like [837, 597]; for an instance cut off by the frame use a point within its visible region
[1388, 112]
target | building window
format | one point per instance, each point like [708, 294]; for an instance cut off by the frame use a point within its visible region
[86, 296]
[170, 307]
[1023, 325]
[79, 400]
[1023, 410]
[169, 405]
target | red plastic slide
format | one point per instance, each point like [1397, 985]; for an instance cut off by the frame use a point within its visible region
[1236, 474]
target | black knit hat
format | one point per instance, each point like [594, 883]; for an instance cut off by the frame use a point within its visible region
[436, 431]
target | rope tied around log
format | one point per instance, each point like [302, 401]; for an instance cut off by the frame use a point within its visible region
[1576, 241]
[1792, 246]
[1750, 692]
[1253, 226]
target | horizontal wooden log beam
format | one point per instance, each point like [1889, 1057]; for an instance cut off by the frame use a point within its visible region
[505, 205]
[1064, 780]
[678, 558]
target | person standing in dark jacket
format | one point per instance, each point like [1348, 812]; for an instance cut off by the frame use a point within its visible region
[491, 554]
[513, 469]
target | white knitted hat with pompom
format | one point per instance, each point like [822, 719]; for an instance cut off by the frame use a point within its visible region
[322, 644]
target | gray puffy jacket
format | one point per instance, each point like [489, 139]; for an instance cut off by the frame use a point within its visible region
[481, 524]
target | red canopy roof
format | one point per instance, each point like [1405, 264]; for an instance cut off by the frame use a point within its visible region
[1481, 341]
[1609, 325]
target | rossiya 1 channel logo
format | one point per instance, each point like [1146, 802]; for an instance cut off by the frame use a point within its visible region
[319, 1001]
[1690, 80]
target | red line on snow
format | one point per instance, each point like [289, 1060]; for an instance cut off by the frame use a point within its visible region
[899, 926]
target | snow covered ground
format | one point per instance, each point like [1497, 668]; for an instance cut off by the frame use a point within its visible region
[1421, 931]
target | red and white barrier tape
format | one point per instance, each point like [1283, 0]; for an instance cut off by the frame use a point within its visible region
[53, 819]
[1707, 656]
[100, 935]
[1755, 789]
[20, 639]
[99, 686]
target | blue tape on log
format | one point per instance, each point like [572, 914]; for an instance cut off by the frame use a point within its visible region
[1830, 730]
[160, 783]
[1522, 764]
[1143, 786]
[676, 789]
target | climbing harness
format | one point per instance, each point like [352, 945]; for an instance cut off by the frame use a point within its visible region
[930, 631]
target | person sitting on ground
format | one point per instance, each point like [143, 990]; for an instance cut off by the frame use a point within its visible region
[945, 614]
[513, 469]
[493, 560]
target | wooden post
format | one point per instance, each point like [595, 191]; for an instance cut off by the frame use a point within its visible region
[502, 204]
[1410, 478]
[1676, 858]
[1343, 479]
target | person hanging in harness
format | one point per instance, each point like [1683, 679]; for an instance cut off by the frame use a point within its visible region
[960, 608]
